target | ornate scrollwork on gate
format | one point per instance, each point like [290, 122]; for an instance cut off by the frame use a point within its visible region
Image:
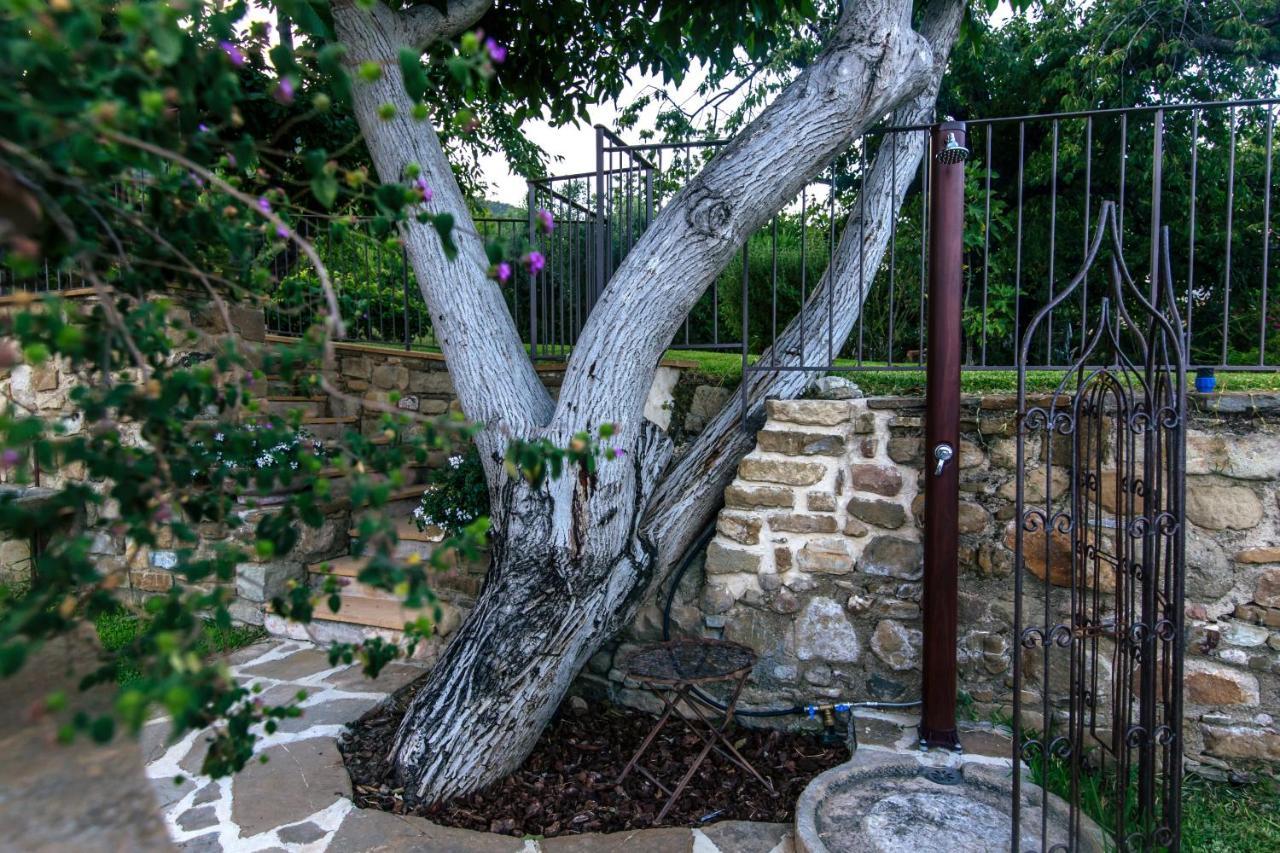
[1097, 698]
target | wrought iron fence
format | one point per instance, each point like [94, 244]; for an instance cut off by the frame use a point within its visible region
[1033, 189]
[1034, 186]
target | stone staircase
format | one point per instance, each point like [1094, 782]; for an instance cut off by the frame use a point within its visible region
[367, 611]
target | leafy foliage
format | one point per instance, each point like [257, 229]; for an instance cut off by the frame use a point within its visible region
[162, 155]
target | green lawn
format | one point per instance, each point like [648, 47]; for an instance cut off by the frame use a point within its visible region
[726, 368]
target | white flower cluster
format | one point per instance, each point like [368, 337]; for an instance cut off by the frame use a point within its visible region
[269, 457]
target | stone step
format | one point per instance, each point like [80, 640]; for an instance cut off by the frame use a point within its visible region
[384, 610]
[311, 407]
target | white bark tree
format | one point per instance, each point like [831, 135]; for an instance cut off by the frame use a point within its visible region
[572, 559]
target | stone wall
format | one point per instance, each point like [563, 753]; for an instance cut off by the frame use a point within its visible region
[816, 563]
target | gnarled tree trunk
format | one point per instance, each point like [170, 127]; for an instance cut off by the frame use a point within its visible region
[574, 558]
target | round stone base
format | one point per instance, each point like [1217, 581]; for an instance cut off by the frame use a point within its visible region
[891, 801]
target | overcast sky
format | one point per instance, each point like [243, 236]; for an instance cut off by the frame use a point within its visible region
[577, 145]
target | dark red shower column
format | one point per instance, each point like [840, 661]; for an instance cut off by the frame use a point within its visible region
[942, 434]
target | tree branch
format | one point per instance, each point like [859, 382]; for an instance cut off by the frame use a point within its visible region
[872, 62]
[424, 24]
[490, 368]
[691, 492]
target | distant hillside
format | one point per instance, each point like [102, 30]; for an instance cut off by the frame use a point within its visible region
[503, 210]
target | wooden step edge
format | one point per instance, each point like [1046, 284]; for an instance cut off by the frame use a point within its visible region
[385, 613]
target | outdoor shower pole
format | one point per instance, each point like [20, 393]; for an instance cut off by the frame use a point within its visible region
[942, 435]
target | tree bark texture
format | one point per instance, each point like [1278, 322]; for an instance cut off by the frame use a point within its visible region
[573, 559]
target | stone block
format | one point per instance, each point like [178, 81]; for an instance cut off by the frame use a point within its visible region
[390, 377]
[880, 479]
[1210, 683]
[1241, 742]
[1051, 562]
[1209, 574]
[716, 598]
[782, 471]
[248, 322]
[800, 443]
[809, 412]
[820, 501]
[790, 522]
[744, 529]
[1038, 483]
[261, 582]
[431, 382]
[1217, 506]
[1258, 555]
[881, 513]
[971, 517]
[357, 367]
[825, 556]
[906, 450]
[782, 559]
[893, 556]
[1267, 590]
[896, 645]
[868, 447]
[864, 423]
[823, 632]
[661, 400]
[855, 528]
[723, 560]
[145, 580]
[753, 497]
[707, 402]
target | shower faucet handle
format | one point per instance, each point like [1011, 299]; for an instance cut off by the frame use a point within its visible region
[943, 453]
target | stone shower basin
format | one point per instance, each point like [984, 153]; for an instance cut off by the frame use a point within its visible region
[890, 801]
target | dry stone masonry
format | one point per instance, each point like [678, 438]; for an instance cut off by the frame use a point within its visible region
[817, 559]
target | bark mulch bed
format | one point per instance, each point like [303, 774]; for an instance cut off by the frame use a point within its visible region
[568, 784]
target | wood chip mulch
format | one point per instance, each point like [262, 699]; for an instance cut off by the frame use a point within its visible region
[568, 784]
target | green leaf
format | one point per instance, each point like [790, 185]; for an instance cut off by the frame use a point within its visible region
[443, 223]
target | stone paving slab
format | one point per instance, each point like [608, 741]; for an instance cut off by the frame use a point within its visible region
[300, 799]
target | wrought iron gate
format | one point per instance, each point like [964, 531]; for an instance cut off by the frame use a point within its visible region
[1097, 692]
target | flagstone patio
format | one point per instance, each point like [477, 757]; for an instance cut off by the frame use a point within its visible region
[300, 798]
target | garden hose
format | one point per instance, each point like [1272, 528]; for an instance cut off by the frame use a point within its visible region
[686, 559]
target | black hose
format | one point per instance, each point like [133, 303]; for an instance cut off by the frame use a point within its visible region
[698, 545]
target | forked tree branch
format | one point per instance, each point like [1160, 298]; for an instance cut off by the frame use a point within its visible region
[423, 24]
[872, 62]
[690, 494]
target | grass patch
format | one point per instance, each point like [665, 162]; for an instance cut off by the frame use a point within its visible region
[1217, 817]
[117, 629]
[725, 368]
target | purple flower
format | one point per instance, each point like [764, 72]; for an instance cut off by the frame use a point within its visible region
[202, 127]
[546, 222]
[233, 53]
[10, 458]
[496, 52]
[423, 188]
[282, 232]
[534, 262]
[617, 451]
[284, 91]
[264, 204]
[501, 271]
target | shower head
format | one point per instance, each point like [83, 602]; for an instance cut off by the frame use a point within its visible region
[953, 151]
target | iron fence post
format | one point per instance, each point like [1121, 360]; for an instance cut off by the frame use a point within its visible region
[942, 436]
[597, 286]
[533, 283]
[404, 267]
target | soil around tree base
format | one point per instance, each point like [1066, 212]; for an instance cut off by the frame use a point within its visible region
[568, 784]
